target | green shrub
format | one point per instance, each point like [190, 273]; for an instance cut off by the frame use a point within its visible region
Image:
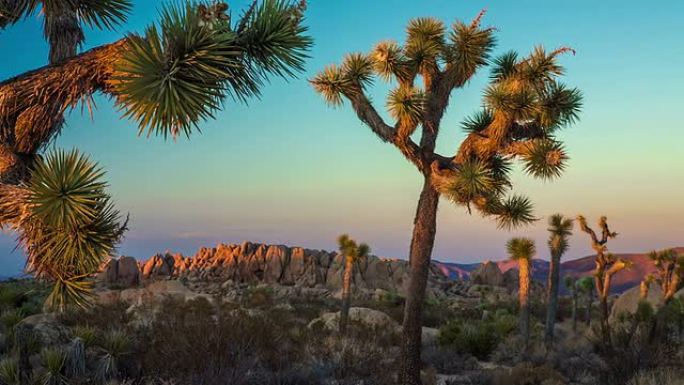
[9, 371]
[53, 360]
[478, 337]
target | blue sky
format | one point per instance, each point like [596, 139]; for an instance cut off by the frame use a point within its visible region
[289, 169]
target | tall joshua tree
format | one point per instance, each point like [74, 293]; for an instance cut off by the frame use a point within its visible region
[669, 272]
[524, 107]
[560, 229]
[570, 283]
[607, 265]
[522, 251]
[169, 80]
[352, 253]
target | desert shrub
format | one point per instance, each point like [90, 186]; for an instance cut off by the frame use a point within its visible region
[478, 338]
[526, 374]
[258, 296]
[436, 313]
[448, 359]
[199, 343]
[101, 316]
[87, 334]
[661, 376]
[116, 345]
[27, 295]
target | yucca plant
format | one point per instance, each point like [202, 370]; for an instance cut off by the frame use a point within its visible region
[116, 345]
[76, 358]
[87, 334]
[53, 360]
[586, 286]
[560, 229]
[169, 80]
[9, 371]
[351, 253]
[524, 107]
[571, 284]
[607, 265]
[522, 250]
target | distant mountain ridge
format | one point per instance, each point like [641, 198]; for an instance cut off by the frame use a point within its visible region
[641, 266]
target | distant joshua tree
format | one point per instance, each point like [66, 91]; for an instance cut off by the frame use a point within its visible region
[352, 253]
[522, 250]
[571, 284]
[168, 80]
[560, 229]
[585, 285]
[524, 107]
[607, 265]
[669, 270]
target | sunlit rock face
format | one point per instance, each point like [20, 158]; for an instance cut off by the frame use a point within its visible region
[282, 265]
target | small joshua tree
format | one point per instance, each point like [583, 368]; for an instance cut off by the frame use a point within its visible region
[522, 250]
[352, 253]
[585, 285]
[524, 106]
[607, 265]
[560, 228]
[668, 274]
[570, 284]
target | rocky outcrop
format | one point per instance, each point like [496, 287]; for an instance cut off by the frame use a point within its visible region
[286, 266]
[122, 272]
[487, 273]
[628, 302]
[369, 317]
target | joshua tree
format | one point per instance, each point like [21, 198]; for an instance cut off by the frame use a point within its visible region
[669, 270]
[607, 265]
[168, 80]
[585, 285]
[560, 228]
[570, 284]
[524, 106]
[522, 250]
[352, 253]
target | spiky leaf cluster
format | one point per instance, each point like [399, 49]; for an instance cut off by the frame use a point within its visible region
[102, 14]
[350, 249]
[560, 229]
[521, 248]
[176, 74]
[73, 225]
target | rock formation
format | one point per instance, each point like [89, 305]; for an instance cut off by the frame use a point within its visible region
[487, 273]
[285, 266]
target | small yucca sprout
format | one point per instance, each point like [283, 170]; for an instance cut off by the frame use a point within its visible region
[358, 68]
[116, 344]
[53, 360]
[9, 371]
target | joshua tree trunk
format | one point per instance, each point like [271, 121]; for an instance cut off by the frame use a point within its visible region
[552, 298]
[524, 295]
[346, 293]
[423, 240]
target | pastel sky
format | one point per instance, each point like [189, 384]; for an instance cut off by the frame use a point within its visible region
[289, 169]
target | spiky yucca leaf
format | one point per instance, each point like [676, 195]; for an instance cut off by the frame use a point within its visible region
[545, 159]
[331, 84]
[72, 225]
[66, 189]
[274, 38]
[469, 49]
[172, 79]
[350, 249]
[521, 248]
[116, 344]
[504, 66]
[358, 68]
[102, 14]
[513, 212]
[406, 104]
[53, 360]
[389, 60]
[424, 43]
[560, 106]
[477, 122]
[560, 225]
